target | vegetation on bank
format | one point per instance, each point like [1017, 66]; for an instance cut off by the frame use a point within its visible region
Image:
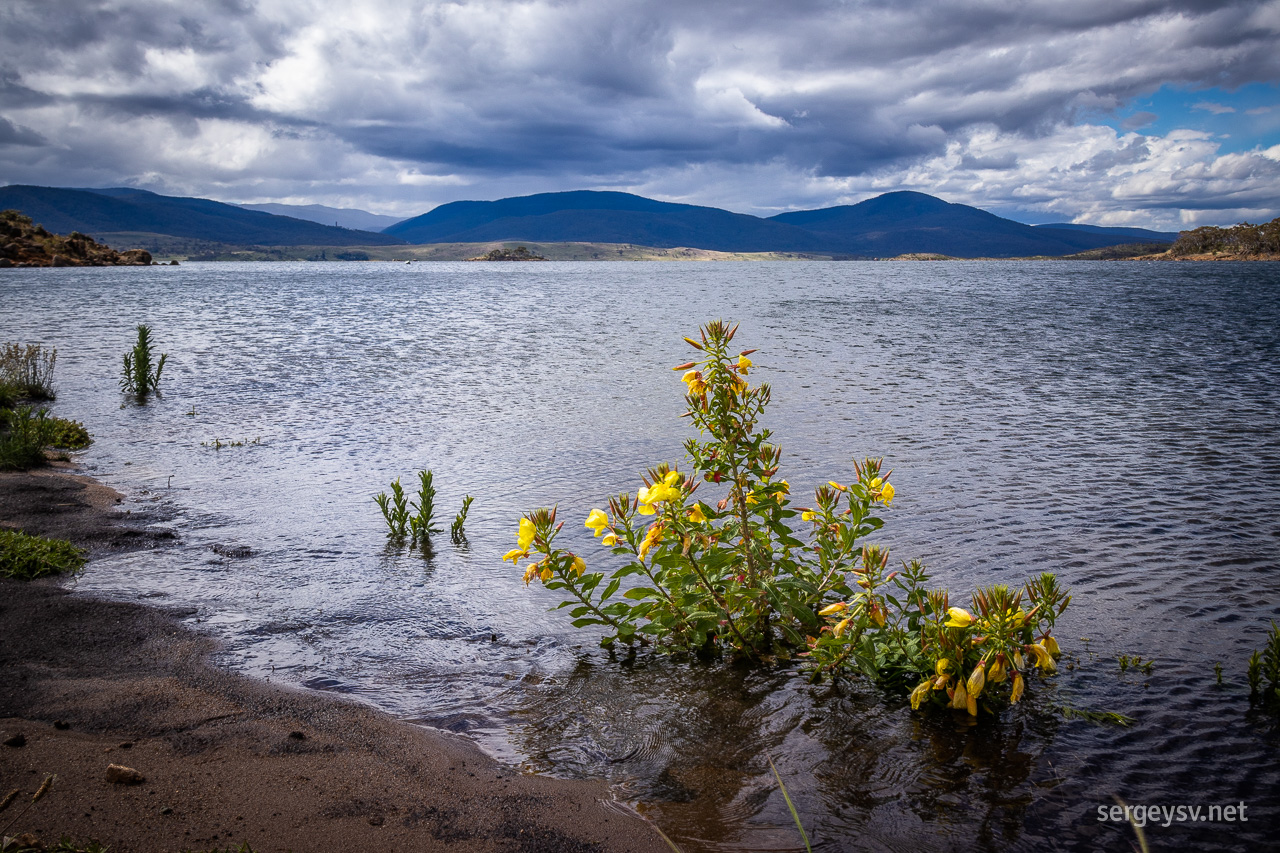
[26, 431]
[1243, 240]
[23, 244]
[732, 574]
[25, 557]
[519, 253]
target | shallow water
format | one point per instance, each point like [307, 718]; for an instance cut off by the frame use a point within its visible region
[1113, 423]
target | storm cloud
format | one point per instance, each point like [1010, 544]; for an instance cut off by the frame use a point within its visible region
[756, 106]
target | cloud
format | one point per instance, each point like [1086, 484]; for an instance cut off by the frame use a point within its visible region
[1138, 120]
[1210, 106]
[401, 105]
[16, 134]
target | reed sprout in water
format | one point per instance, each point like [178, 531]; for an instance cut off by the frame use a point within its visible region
[456, 532]
[141, 376]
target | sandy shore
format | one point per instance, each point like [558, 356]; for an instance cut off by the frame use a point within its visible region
[226, 759]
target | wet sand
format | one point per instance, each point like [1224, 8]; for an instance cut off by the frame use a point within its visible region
[226, 759]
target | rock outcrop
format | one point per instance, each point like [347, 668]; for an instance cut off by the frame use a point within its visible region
[23, 244]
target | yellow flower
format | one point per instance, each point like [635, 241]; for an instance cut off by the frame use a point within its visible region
[525, 537]
[515, 555]
[530, 573]
[841, 626]
[808, 515]
[597, 521]
[886, 493]
[579, 565]
[694, 380]
[996, 673]
[1044, 660]
[971, 705]
[1051, 646]
[942, 667]
[743, 364]
[838, 607]
[960, 698]
[922, 690]
[696, 515]
[1018, 687]
[672, 479]
[875, 484]
[652, 538]
[1018, 662]
[609, 539]
[960, 618]
[977, 680]
[547, 574]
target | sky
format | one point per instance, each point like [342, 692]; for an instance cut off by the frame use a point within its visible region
[1162, 115]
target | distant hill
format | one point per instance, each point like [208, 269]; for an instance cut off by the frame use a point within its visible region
[900, 223]
[97, 211]
[603, 217]
[341, 217]
[1132, 234]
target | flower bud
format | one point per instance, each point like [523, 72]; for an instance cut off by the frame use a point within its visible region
[977, 680]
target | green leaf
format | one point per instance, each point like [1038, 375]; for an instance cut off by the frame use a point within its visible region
[640, 592]
[611, 588]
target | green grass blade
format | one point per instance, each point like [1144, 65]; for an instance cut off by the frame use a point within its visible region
[790, 806]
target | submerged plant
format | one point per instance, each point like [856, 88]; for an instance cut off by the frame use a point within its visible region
[456, 532]
[395, 510]
[1265, 666]
[141, 377]
[422, 522]
[730, 574]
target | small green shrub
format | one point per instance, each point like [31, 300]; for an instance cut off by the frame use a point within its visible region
[737, 576]
[395, 510]
[67, 434]
[28, 370]
[140, 377]
[27, 557]
[23, 437]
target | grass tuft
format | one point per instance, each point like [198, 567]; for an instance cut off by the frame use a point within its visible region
[25, 557]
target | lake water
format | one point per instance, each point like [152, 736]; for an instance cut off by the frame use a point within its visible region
[1113, 423]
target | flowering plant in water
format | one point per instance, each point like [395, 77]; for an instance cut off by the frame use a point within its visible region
[734, 573]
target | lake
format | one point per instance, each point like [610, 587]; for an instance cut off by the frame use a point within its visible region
[1114, 423]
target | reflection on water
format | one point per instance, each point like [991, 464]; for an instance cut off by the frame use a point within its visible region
[1113, 423]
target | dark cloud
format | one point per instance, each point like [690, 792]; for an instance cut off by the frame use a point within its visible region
[831, 99]
[16, 134]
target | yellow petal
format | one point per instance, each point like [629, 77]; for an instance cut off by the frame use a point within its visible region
[886, 494]
[971, 705]
[841, 626]
[579, 565]
[645, 509]
[942, 667]
[1018, 687]
[525, 536]
[1051, 646]
[597, 521]
[838, 607]
[807, 515]
[919, 693]
[960, 698]
[515, 555]
[696, 515]
[609, 539]
[960, 618]
[672, 478]
[977, 680]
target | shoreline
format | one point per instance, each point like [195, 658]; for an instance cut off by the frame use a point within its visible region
[227, 759]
